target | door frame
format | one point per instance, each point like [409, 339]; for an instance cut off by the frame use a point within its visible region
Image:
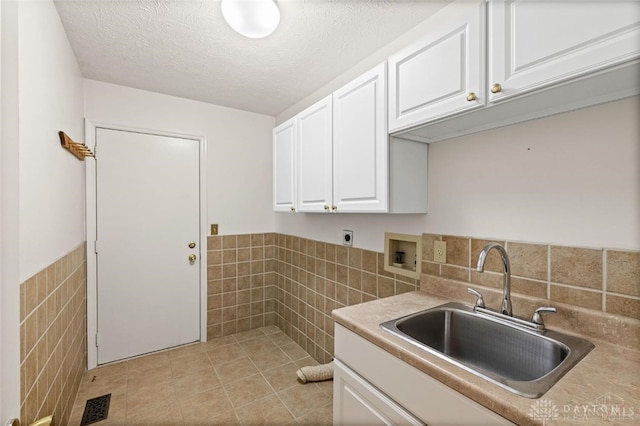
[91, 127]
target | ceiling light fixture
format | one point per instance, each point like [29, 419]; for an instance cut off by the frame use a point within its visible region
[251, 18]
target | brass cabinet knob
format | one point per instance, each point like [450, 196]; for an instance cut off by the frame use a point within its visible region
[496, 88]
[192, 244]
[334, 208]
[471, 97]
[293, 209]
[192, 258]
[326, 207]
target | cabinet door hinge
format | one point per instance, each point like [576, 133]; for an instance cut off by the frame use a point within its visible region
[95, 246]
[97, 339]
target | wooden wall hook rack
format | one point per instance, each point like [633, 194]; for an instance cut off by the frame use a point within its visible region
[79, 150]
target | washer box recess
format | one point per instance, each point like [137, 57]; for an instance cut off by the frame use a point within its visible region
[403, 254]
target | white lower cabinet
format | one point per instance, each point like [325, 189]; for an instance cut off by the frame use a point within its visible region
[373, 387]
[357, 402]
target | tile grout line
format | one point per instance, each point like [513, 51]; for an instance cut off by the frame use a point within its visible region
[277, 393]
[548, 271]
[273, 389]
[267, 381]
[604, 280]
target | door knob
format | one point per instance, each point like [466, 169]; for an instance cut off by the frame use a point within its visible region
[192, 244]
[192, 258]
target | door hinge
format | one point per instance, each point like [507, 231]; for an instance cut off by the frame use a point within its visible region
[95, 246]
[97, 339]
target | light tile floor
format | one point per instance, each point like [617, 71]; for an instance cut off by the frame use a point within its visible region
[245, 379]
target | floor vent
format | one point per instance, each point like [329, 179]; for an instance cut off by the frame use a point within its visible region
[96, 409]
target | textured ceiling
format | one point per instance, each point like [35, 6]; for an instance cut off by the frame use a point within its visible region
[184, 48]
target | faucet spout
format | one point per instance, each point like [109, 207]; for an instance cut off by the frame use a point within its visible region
[506, 308]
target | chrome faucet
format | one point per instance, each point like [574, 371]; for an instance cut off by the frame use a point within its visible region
[506, 273]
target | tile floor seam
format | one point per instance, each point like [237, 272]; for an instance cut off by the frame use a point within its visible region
[233, 408]
[131, 388]
[260, 371]
[286, 406]
[226, 392]
[269, 396]
[276, 392]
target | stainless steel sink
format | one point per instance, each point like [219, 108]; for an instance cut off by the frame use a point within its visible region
[523, 361]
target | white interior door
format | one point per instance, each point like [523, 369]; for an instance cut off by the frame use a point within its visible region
[148, 213]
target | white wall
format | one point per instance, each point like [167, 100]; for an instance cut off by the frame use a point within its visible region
[9, 216]
[238, 145]
[570, 179]
[51, 179]
[42, 204]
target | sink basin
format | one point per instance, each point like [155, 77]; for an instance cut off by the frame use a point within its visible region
[523, 361]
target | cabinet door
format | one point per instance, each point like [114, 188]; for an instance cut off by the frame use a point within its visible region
[360, 144]
[533, 44]
[356, 402]
[314, 129]
[443, 74]
[284, 158]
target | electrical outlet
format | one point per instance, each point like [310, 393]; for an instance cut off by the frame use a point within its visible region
[440, 251]
[347, 238]
[214, 229]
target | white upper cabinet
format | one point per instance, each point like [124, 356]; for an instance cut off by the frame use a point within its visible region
[314, 131]
[534, 44]
[343, 160]
[542, 58]
[443, 74]
[342, 149]
[284, 171]
[360, 144]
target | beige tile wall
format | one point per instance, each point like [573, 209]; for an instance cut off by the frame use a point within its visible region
[53, 349]
[594, 278]
[313, 278]
[264, 279]
[240, 283]
[295, 283]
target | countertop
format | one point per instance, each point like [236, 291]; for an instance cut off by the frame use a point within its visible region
[602, 388]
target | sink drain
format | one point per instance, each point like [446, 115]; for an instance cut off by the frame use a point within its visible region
[96, 409]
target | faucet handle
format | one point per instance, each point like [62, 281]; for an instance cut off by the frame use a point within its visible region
[537, 318]
[479, 298]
